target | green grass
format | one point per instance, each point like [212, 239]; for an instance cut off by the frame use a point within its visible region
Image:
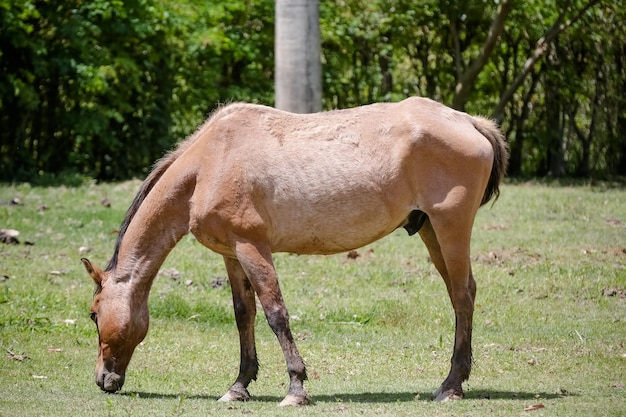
[376, 332]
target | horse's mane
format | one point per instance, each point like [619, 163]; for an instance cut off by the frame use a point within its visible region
[156, 173]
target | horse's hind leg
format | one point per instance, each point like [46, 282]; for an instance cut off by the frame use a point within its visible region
[258, 265]
[448, 247]
[245, 313]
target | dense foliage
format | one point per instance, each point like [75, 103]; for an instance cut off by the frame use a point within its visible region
[101, 88]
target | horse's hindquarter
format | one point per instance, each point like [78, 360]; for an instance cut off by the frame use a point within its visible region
[321, 183]
[451, 158]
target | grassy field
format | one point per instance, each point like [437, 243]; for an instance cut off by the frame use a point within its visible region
[376, 331]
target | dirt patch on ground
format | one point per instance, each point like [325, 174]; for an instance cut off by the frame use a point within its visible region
[614, 292]
[515, 255]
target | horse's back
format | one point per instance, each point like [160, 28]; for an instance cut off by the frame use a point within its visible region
[327, 182]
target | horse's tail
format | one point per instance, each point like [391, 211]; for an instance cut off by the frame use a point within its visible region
[490, 130]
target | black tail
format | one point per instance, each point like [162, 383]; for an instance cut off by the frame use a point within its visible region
[491, 131]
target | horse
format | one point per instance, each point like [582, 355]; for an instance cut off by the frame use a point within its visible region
[254, 180]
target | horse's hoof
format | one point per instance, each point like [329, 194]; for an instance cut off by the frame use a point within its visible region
[231, 396]
[448, 395]
[292, 400]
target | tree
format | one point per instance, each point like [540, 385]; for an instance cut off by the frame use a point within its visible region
[541, 48]
[298, 82]
[543, 77]
[82, 83]
[467, 79]
[79, 90]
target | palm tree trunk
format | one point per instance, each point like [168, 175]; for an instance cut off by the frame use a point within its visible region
[298, 72]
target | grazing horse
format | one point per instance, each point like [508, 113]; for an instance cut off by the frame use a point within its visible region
[253, 180]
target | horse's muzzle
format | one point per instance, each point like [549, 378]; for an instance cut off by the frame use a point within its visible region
[110, 381]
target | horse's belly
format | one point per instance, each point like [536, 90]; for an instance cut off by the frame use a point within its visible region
[328, 234]
[320, 245]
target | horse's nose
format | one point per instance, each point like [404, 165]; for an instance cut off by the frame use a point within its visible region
[110, 381]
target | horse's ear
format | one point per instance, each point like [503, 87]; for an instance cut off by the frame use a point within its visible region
[94, 272]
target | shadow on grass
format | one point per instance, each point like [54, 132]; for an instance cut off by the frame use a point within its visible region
[367, 397]
[166, 396]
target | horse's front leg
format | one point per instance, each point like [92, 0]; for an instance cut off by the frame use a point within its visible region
[257, 262]
[245, 313]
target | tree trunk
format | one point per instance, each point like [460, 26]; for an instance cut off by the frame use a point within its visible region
[621, 165]
[516, 152]
[618, 138]
[384, 62]
[466, 81]
[298, 73]
[555, 157]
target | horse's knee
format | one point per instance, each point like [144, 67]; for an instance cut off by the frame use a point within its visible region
[278, 320]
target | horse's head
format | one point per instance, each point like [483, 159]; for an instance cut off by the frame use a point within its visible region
[122, 322]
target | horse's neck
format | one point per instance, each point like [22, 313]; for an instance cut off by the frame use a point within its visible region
[161, 221]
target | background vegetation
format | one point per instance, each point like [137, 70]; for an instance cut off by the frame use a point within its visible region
[101, 88]
[376, 331]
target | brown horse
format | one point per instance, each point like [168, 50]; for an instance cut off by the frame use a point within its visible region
[254, 180]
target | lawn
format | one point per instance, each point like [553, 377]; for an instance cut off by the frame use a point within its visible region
[376, 330]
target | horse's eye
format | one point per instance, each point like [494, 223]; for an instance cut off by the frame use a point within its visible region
[92, 316]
